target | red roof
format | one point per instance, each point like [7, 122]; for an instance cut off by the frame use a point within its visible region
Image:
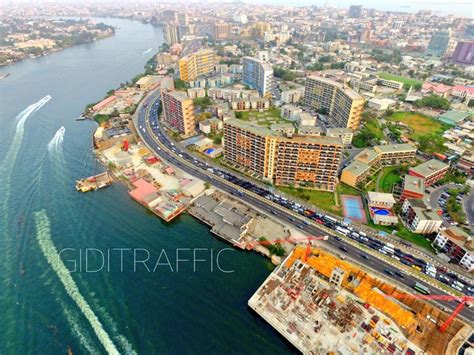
[437, 88]
[143, 189]
[468, 89]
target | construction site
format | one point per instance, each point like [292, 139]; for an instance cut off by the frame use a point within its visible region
[322, 305]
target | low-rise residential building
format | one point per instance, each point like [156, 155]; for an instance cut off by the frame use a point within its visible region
[292, 96]
[454, 117]
[466, 163]
[392, 84]
[290, 111]
[211, 125]
[196, 92]
[413, 187]
[381, 104]
[436, 89]
[306, 119]
[381, 208]
[369, 161]
[345, 134]
[250, 104]
[457, 245]
[431, 171]
[418, 217]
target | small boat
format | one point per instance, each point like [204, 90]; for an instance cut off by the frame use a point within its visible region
[82, 117]
[22, 269]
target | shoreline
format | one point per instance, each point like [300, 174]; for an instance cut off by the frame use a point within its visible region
[51, 51]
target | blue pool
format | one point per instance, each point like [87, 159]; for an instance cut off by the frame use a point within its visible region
[209, 150]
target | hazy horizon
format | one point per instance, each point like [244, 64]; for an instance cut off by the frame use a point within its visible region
[463, 8]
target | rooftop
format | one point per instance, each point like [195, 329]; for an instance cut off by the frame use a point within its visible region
[414, 183]
[429, 168]
[395, 148]
[263, 131]
[458, 237]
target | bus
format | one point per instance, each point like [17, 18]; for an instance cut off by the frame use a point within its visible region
[330, 219]
[421, 289]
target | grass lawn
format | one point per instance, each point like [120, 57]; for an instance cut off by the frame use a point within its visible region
[400, 79]
[390, 177]
[321, 199]
[420, 124]
[373, 126]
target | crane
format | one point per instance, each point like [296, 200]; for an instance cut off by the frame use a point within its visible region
[279, 241]
[463, 300]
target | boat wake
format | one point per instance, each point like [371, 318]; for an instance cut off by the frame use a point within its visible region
[51, 254]
[55, 144]
[147, 51]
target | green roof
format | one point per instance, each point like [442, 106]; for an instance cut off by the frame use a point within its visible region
[452, 117]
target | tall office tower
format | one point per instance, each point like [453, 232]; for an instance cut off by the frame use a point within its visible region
[258, 75]
[171, 34]
[170, 16]
[397, 25]
[355, 11]
[183, 19]
[220, 30]
[342, 104]
[308, 162]
[464, 53]
[469, 31]
[178, 112]
[197, 64]
[439, 43]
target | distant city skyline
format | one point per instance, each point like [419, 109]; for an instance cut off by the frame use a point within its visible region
[462, 8]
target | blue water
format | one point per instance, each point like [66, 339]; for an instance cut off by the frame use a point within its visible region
[382, 212]
[46, 310]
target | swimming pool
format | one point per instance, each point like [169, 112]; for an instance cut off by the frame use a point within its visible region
[209, 150]
[382, 212]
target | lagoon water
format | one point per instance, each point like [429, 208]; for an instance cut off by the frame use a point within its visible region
[45, 309]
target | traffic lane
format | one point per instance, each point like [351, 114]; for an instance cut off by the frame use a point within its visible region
[353, 252]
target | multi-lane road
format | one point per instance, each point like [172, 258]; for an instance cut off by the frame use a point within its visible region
[154, 136]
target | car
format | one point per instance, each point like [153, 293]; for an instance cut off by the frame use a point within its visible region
[364, 256]
[343, 248]
[388, 272]
[400, 274]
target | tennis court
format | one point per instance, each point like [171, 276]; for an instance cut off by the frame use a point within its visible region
[353, 208]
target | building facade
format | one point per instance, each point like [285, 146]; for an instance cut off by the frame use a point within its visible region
[308, 162]
[178, 112]
[258, 75]
[171, 34]
[197, 64]
[342, 104]
[457, 245]
[431, 171]
[419, 218]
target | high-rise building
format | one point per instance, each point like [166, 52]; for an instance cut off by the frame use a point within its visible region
[439, 43]
[171, 34]
[197, 64]
[183, 19]
[308, 162]
[355, 11]
[397, 25]
[258, 75]
[170, 15]
[464, 53]
[178, 112]
[342, 104]
[221, 30]
[469, 32]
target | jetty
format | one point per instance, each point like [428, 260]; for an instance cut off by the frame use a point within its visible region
[95, 182]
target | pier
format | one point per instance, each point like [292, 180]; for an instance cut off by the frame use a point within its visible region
[95, 182]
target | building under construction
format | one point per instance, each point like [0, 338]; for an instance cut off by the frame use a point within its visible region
[321, 303]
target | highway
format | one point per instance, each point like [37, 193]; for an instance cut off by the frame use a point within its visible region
[154, 137]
